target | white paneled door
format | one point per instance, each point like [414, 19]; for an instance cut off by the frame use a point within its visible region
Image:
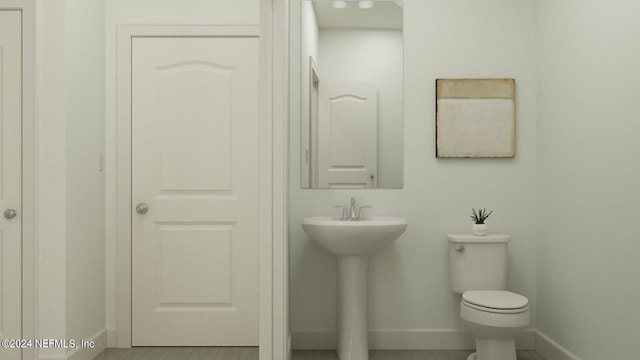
[195, 177]
[347, 136]
[10, 180]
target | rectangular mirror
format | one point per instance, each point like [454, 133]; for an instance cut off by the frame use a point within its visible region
[350, 93]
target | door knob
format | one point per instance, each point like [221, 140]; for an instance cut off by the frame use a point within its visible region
[10, 213]
[142, 208]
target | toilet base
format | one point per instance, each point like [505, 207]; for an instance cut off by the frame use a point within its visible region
[487, 349]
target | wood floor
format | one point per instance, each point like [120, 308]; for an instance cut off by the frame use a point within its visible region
[404, 355]
[251, 353]
[180, 353]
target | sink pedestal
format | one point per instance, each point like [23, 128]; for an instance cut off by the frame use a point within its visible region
[353, 332]
[353, 242]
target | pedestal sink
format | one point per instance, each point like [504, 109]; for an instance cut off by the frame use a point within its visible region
[353, 242]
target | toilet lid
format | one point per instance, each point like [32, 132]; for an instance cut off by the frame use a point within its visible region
[503, 300]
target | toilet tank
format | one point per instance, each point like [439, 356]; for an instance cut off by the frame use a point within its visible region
[477, 262]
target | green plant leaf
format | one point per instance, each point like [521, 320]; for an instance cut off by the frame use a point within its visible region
[480, 216]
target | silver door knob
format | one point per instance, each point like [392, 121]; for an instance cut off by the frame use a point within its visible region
[10, 213]
[142, 208]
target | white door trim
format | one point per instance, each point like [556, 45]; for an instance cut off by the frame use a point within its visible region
[274, 268]
[29, 175]
[123, 169]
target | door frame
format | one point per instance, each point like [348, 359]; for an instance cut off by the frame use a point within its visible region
[29, 174]
[272, 204]
[314, 110]
[275, 335]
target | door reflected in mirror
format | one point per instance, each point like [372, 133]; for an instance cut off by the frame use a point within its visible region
[351, 99]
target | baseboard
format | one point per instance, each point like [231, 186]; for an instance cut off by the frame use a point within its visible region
[551, 350]
[289, 347]
[112, 340]
[419, 339]
[88, 353]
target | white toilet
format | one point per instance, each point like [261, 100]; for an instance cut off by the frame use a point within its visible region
[478, 271]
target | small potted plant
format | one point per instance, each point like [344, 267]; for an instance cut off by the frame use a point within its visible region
[479, 228]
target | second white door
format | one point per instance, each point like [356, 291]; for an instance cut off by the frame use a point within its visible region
[195, 177]
[347, 136]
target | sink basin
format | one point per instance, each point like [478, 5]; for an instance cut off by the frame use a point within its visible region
[353, 242]
[354, 238]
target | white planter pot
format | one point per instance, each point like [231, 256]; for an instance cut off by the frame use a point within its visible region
[479, 229]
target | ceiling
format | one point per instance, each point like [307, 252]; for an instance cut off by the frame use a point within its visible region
[384, 15]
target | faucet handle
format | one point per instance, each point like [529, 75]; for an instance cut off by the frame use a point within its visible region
[344, 211]
[360, 210]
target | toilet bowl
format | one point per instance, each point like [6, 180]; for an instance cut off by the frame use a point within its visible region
[495, 318]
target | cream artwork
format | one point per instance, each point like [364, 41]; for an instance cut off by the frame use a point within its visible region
[475, 117]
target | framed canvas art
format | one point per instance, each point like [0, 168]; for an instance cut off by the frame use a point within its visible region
[475, 118]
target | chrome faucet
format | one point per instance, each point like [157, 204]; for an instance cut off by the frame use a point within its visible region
[352, 214]
[352, 210]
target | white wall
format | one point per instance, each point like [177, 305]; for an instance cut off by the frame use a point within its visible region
[70, 127]
[246, 12]
[409, 287]
[51, 172]
[589, 171]
[374, 57]
[85, 280]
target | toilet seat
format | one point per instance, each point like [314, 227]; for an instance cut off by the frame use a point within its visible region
[500, 302]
